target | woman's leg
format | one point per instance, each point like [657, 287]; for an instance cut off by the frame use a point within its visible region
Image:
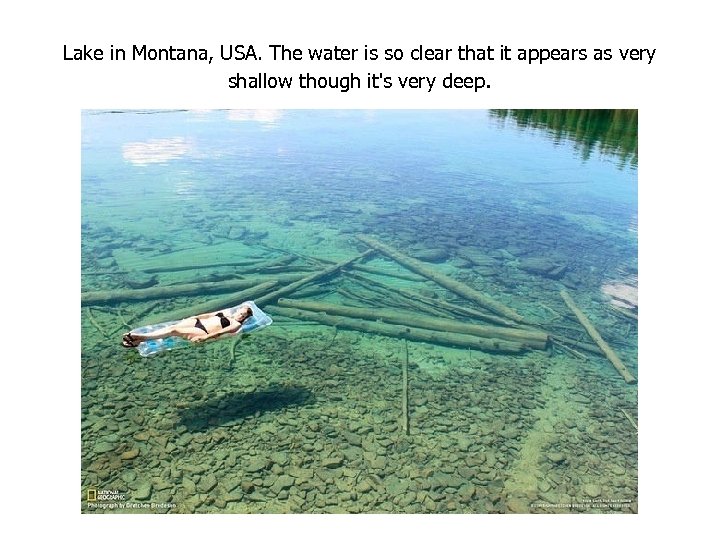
[184, 329]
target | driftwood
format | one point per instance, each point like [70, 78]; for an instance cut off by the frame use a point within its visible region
[94, 322]
[632, 422]
[439, 307]
[212, 305]
[531, 338]
[449, 283]
[574, 343]
[464, 341]
[597, 338]
[624, 312]
[295, 285]
[317, 291]
[392, 295]
[169, 269]
[172, 291]
[275, 266]
[457, 309]
[380, 272]
[405, 411]
[576, 354]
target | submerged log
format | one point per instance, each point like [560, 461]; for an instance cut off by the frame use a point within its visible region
[460, 310]
[597, 338]
[394, 296]
[388, 273]
[633, 423]
[168, 269]
[172, 291]
[271, 297]
[449, 283]
[464, 341]
[212, 305]
[624, 312]
[405, 402]
[531, 338]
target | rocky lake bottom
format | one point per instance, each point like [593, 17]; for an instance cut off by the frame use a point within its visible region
[306, 419]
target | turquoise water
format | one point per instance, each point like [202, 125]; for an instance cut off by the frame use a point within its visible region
[307, 415]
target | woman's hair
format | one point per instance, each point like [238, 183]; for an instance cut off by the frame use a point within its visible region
[248, 314]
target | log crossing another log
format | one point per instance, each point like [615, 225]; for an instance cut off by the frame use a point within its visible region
[449, 283]
[173, 291]
[597, 338]
[531, 338]
[464, 341]
[288, 289]
[251, 266]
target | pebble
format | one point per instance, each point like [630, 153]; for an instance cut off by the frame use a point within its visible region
[332, 462]
[444, 480]
[231, 481]
[189, 486]
[364, 486]
[128, 476]
[281, 483]
[556, 457]
[281, 458]
[592, 490]
[354, 439]
[463, 444]
[184, 439]
[466, 472]
[207, 483]
[299, 472]
[142, 490]
[103, 447]
[518, 506]
[130, 454]
[247, 486]
[256, 464]
[233, 496]
[396, 486]
[466, 492]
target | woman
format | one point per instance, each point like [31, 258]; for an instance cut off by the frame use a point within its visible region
[195, 329]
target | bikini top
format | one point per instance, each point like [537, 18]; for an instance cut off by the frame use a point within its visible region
[224, 321]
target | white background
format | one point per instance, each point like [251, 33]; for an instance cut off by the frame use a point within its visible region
[43, 96]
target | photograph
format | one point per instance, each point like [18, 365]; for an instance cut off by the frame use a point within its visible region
[359, 311]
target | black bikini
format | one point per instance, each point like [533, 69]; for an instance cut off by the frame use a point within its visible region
[200, 325]
[224, 322]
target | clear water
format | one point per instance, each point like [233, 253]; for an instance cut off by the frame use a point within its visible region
[308, 417]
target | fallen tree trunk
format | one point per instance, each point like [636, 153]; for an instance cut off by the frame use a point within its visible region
[167, 269]
[271, 297]
[597, 338]
[172, 291]
[390, 296]
[404, 332]
[212, 305]
[460, 310]
[449, 283]
[531, 338]
[380, 272]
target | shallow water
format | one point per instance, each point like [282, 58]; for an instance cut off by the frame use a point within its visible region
[308, 417]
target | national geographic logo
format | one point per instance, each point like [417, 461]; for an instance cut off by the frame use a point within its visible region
[96, 495]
